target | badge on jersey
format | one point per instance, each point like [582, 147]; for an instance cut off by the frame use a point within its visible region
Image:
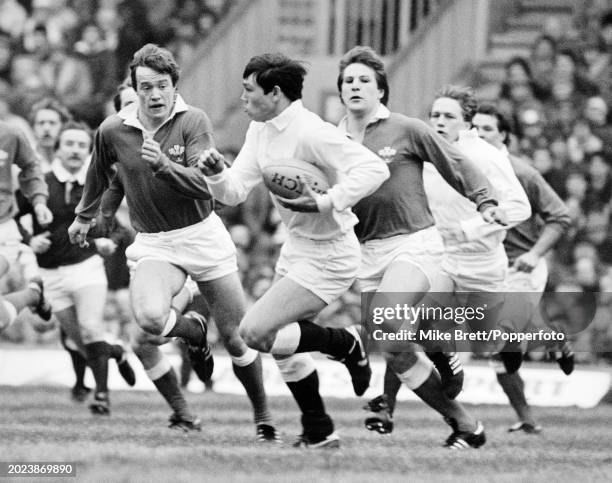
[387, 153]
[176, 153]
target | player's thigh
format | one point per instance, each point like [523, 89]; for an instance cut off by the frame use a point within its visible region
[285, 302]
[443, 283]
[153, 284]
[404, 283]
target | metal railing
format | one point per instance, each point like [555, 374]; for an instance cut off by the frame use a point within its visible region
[452, 41]
[426, 42]
[212, 81]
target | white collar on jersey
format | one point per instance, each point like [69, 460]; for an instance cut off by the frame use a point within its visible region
[129, 113]
[382, 112]
[64, 176]
[281, 121]
[471, 133]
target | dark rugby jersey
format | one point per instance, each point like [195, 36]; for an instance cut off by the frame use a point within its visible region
[15, 149]
[546, 206]
[172, 197]
[400, 205]
[61, 252]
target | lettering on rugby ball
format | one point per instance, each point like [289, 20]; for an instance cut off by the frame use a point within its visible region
[284, 177]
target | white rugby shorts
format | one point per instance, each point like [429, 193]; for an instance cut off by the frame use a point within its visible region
[473, 272]
[204, 250]
[424, 249]
[62, 282]
[534, 281]
[326, 268]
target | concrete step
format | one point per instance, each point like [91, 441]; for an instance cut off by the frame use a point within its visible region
[524, 38]
[552, 6]
[533, 21]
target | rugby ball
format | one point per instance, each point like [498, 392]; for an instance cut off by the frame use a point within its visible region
[284, 177]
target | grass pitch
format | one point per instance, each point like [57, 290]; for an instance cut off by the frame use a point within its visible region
[134, 444]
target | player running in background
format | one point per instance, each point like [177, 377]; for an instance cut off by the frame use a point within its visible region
[401, 247]
[526, 244]
[154, 146]
[16, 151]
[320, 259]
[75, 278]
[474, 260]
[47, 117]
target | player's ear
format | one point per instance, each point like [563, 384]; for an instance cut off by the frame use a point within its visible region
[276, 91]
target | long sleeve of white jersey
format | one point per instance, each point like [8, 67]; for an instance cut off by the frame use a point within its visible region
[498, 170]
[232, 186]
[360, 172]
[354, 170]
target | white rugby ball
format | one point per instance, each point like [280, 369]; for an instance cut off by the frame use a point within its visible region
[284, 177]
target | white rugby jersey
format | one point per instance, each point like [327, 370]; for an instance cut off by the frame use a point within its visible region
[451, 210]
[353, 171]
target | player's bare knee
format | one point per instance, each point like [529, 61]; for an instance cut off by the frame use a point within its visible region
[255, 339]
[233, 343]
[402, 361]
[151, 319]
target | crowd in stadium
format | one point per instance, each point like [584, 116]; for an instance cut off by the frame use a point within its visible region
[559, 99]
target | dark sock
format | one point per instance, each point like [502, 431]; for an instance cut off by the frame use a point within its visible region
[251, 378]
[98, 354]
[391, 387]
[79, 363]
[437, 357]
[512, 359]
[316, 423]
[334, 342]
[115, 351]
[168, 387]
[185, 366]
[514, 387]
[432, 394]
[187, 329]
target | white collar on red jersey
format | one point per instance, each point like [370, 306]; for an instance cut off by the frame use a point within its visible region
[382, 112]
[129, 113]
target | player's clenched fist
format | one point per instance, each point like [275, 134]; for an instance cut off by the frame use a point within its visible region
[211, 162]
[77, 233]
[152, 153]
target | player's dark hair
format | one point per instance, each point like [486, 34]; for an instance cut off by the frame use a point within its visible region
[368, 57]
[464, 95]
[78, 126]
[156, 58]
[503, 125]
[50, 104]
[271, 70]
